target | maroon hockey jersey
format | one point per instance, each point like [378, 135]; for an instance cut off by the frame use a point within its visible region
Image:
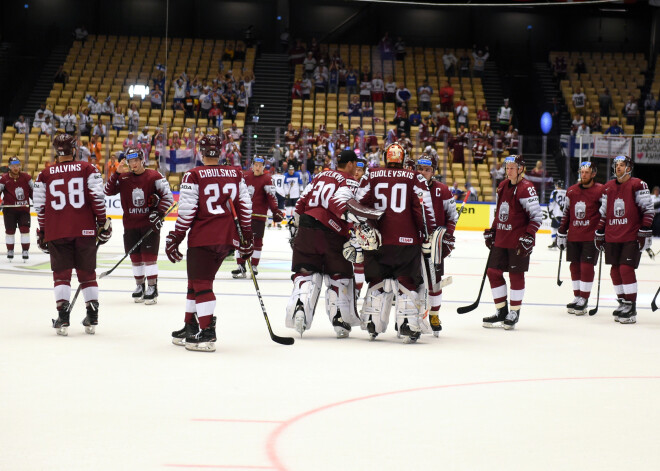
[517, 212]
[16, 192]
[204, 206]
[398, 193]
[69, 201]
[325, 199]
[262, 192]
[444, 206]
[581, 212]
[135, 192]
[626, 208]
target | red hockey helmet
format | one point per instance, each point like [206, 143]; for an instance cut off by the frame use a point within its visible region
[515, 159]
[395, 155]
[64, 144]
[209, 145]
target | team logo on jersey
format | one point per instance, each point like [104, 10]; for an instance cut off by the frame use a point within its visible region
[138, 197]
[580, 210]
[503, 215]
[20, 194]
[251, 191]
[619, 208]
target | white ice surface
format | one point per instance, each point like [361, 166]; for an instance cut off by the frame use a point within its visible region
[559, 392]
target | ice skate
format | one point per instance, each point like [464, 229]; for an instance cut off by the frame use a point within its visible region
[299, 319]
[91, 320]
[189, 330]
[553, 245]
[151, 295]
[580, 308]
[62, 321]
[511, 320]
[618, 310]
[496, 319]
[371, 328]
[254, 270]
[570, 307]
[204, 340]
[239, 272]
[26, 255]
[10, 255]
[342, 328]
[409, 335]
[436, 325]
[628, 314]
[138, 294]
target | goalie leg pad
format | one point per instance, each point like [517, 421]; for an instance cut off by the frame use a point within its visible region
[340, 296]
[306, 289]
[377, 305]
[411, 305]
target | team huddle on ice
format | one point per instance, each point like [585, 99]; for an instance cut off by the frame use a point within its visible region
[390, 227]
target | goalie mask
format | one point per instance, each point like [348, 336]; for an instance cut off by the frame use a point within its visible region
[368, 237]
[395, 155]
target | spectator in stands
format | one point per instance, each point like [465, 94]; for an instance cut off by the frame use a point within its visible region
[479, 150]
[296, 89]
[108, 107]
[614, 129]
[21, 126]
[47, 127]
[456, 192]
[415, 118]
[195, 88]
[390, 89]
[205, 103]
[580, 67]
[175, 141]
[351, 81]
[365, 75]
[156, 98]
[497, 174]
[424, 93]
[297, 53]
[579, 101]
[474, 194]
[144, 141]
[402, 123]
[650, 102]
[242, 99]
[43, 109]
[447, 97]
[365, 89]
[555, 112]
[236, 133]
[306, 88]
[68, 121]
[180, 87]
[595, 123]
[95, 162]
[80, 34]
[321, 75]
[578, 120]
[83, 151]
[133, 118]
[61, 76]
[39, 120]
[560, 67]
[100, 131]
[118, 120]
[464, 65]
[583, 130]
[480, 58]
[333, 78]
[130, 141]
[189, 105]
[385, 46]
[449, 61]
[461, 113]
[309, 64]
[95, 148]
[214, 117]
[505, 115]
[605, 103]
[631, 111]
[354, 109]
[537, 176]
[367, 110]
[402, 96]
[112, 164]
[483, 115]
[239, 52]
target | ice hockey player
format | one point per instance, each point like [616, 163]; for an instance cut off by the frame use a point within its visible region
[205, 209]
[624, 232]
[395, 268]
[361, 174]
[262, 191]
[576, 234]
[292, 188]
[16, 190]
[145, 198]
[511, 240]
[556, 210]
[70, 206]
[446, 216]
[323, 213]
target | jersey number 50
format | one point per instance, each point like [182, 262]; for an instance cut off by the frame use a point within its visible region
[397, 197]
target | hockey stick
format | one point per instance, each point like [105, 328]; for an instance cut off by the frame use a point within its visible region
[430, 271]
[600, 268]
[3, 206]
[137, 244]
[473, 306]
[559, 282]
[654, 306]
[651, 254]
[275, 338]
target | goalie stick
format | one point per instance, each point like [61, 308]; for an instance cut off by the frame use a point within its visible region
[137, 244]
[275, 338]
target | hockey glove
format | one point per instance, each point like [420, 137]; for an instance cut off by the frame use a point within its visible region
[172, 242]
[525, 245]
[561, 240]
[352, 253]
[156, 220]
[448, 241]
[489, 238]
[104, 231]
[599, 240]
[43, 245]
[644, 239]
[426, 248]
[278, 217]
[245, 249]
